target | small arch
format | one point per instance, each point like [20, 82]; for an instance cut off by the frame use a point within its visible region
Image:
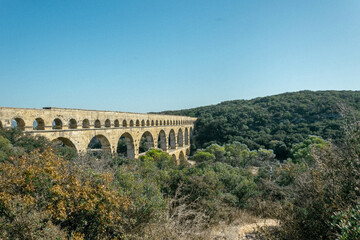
[157, 123]
[116, 123]
[124, 123]
[162, 140]
[86, 123]
[188, 151]
[61, 141]
[180, 138]
[137, 123]
[172, 139]
[39, 124]
[173, 157]
[100, 142]
[143, 123]
[56, 124]
[181, 156]
[125, 146]
[107, 123]
[152, 123]
[97, 123]
[186, 136]
[146, 142]
[72, 124]
[160, 123]
[167, 122]
[147, 123]
[131, 123]
[18, 123]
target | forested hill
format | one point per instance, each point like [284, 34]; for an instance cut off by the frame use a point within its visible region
[274, 122]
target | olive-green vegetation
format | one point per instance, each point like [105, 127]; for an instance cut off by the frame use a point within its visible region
[275, 122]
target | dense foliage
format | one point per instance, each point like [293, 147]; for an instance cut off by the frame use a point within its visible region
[274, 122]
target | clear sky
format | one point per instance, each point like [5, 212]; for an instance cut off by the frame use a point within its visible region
[142, 56]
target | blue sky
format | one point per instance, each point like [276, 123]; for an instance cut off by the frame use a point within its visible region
[142, 56]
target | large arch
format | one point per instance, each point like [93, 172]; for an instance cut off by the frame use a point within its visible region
[172, 139]
[61, 141]
[100, 142]
[86, 123]
[146, 142]
[72, 124]
[57, 124]
[180, 138]
[18, 123]
[162, 140]
[39, 124]
[125, 146]
[186, 136]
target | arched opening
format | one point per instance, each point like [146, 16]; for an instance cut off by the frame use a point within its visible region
[147, 123]
[131, 123]
[172, 140]
[39, 124]
[188, 152]
[97, 123]
[86, 123]
[157, 123]
[191, 135]
[18, 123]
[57, 124]
[1, 126]
[167, 122]
[124, 123]
[180, 138]
[125, 146]
[72, 124]
[152, 123]
[181, 156]
[186, 136]
[162, 140]
[146, 142]
[99, 142]
[143, 123]
[107, 123]
[62, 142]
[173, 157]
[116, 123]
[160, 122]
[137, 123]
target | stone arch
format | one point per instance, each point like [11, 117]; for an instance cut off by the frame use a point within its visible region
[146, 142]
[191, 134]
[64, 142]
[167, 122]
[125, 145]
[1, 126]
[57, 124]
[173, 157]
[116, 123]
[188, 151]
[18, 123]
[157, 123]
[72, 124]
[39, 124]
[107, 123]
[142, 123]
[186, 136]
[160, 122]
[137, 123]
[162, 140]
[148, 123]
[86, 123]
[152, 123]
[124, 123]
[180, 138]
[104, 143]
[97, 123]
[181, 156]
[172, 139]
[131, 123]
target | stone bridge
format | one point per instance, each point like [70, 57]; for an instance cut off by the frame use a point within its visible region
[76, 128]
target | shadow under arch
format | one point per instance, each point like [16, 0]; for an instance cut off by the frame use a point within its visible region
[172, 139]
[61, 141]
[99, 142]
[180, 138]
[146, 142]
[125, 146]
[162, 140]
[181, 156]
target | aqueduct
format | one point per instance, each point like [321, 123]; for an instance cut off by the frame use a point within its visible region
[76, 128]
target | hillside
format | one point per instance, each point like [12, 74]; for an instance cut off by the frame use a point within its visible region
[273, 122]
